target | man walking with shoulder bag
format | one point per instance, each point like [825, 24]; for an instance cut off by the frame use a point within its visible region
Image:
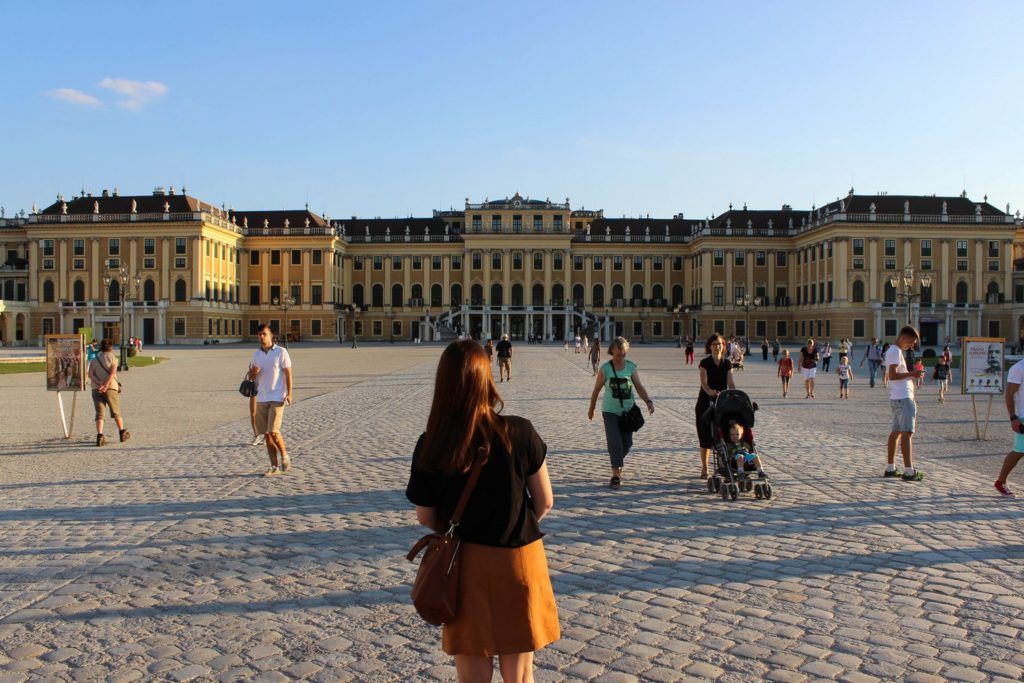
[106, 391]
[271, 367]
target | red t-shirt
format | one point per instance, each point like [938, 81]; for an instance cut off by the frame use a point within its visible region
[786, 367]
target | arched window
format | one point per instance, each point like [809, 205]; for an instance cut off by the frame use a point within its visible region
[961, 292]
[538, 295]
[396, 295]
[677, 295]
[456, 299]
[638, 292]
[416, 292]
[890, 293]
[113, 292]
[476, 295]
[657, 292]
[149, 290]
[858, 291]
[48, 291]
[577, 295]
[78, 290]
[598, 296]
[517, 294]
[992, 293]
[435, 294]
[617, 293]
[926, 295]
[557, 295]
[377, 296]
[358, 295]
[180, 291]
[496, 293]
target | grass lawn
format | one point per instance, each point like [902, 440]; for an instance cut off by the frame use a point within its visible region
[17, 368]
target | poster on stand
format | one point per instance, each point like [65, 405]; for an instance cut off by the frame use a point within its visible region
[981, 365]
[65, 362]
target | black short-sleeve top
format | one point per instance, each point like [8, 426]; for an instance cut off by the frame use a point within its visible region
[500, 510]
[718, 375]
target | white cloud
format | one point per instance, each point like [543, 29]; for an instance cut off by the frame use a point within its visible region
[136, 93]
[74, 97]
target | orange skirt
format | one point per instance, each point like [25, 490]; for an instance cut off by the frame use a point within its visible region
[506, 604]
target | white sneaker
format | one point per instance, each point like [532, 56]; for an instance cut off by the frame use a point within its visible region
[257, 440]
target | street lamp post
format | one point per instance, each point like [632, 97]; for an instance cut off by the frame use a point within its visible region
[903, 285]
[123, 279]
[748, 303]
[355, 310]
[681, 313]
[284, 304]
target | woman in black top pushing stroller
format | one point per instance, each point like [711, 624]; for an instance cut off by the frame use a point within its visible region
[737, 465]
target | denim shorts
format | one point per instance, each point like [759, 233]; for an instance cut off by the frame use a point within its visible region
[1018, 443]
[904, 414]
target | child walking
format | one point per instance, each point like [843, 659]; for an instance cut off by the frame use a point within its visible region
[941, 377]
[845, 372]
[785, 371]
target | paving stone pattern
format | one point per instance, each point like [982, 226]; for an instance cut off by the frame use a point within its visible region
[175, 562]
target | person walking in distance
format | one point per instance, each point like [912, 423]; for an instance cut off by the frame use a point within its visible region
[106, 391]
[506, 605]
[826, 355]
[873, 355]
[1015, 407]
[689, 350]
[904, 407]
[618, 377]
[595, 355]
[504, 359]
[809, 366]
[271, 367]
[764, 349]
[776, 347]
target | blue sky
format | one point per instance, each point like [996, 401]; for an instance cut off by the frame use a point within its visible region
[398, 108]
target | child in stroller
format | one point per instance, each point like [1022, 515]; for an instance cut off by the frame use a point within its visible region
[732, 419]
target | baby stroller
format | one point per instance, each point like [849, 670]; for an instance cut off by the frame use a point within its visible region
[730, 405]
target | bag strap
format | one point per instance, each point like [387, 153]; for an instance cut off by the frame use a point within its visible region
[474, 476]
[622, 403]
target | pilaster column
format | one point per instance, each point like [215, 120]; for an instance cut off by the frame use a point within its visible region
[307, 288]
[407, 283]
[840, 265]
[165, 271]
[506, 283]
[346, 279]
[770, 257]
[944, 279]
[95, 275]
[548, 258]
[62, 278]
[286, 284]
[467, 265]
[979, 272]
[197, 268]
[33, 278]
[748, 259]
[265, 282]
[588, 278]
[1007, 253]
[730, 298]
[873, 271]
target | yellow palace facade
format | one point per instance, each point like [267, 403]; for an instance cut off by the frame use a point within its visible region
[191, 272]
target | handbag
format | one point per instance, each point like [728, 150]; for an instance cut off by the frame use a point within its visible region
[632, 420]
[435, 591]
[248, 387]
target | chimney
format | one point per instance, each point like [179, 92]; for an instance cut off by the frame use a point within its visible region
[115, 192]
[170, 190]
[105, 194]
[787, 207]
[158, 191]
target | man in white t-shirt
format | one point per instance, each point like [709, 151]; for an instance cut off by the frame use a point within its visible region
[271, 367]
[1015, 406]
[904, 408]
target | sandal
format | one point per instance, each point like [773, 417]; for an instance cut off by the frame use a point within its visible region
[615, 483]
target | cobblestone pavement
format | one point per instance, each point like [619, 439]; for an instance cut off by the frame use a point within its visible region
[174, 561]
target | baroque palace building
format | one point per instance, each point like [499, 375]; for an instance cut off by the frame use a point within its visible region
[527, 267]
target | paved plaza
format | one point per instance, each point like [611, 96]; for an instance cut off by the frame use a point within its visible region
[168, 557]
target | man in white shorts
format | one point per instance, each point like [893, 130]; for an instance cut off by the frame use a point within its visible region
[904, 407]
[809, 366]
[271, 367]
[1014, 406]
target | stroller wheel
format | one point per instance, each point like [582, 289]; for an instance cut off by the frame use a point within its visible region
[748, 486]
[767, 490]
[724, 490]
[734, 491]
[711, 484]
[718, 483]
[758, 492]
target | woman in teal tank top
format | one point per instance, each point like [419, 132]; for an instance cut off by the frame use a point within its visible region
[618, 377]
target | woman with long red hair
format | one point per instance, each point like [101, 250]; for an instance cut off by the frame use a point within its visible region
[506, 606]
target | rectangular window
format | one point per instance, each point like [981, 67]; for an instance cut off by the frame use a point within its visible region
[719, 257]
[179, 246]
[538, 260]
[417, 263]
[275, 293]
[961, 248]
[719, 295]
[296, 257]
[558, 223]
[616, 263]
[993, 325]
[149, 263]
[739, 257]
[517, 223]
[396, 328]
[478, 261]
[179, 327]
[179, 262]
[577, 263]
[993, 265]
[780, 258]
[48, 264]
[658, 330]
[890, 327]
[316, 328]
[858, 264]
[396, 263]
[638, 263]
[149, 246]
[435, 263]
[926, 264]
[378, 263]
[780, 328]
[254, 326]
[890, 264]
[254, 295]
[378, 328]
[926, 247]
[254, 257]
[558, 265]
[317, 294]
[719, 326]
[858, 328]
[677, 263]
[599, 263]
[495, 260]
[113, 246]
[357, 263]
[961, 264]
[659, 263]
[741, 328]
[457, 262]
[890, 247]
[79, 264]
[208, 253]
[963, 328]
[357, 327]
[517, 260]
[993, 252]
[638, 329]
[111, 263]
[538, 223]
[760, 258]
[477, 223]
[858, 246]
[495, 223]
[738, 292]
[275, 257]
[318, 257]
[79, 247]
